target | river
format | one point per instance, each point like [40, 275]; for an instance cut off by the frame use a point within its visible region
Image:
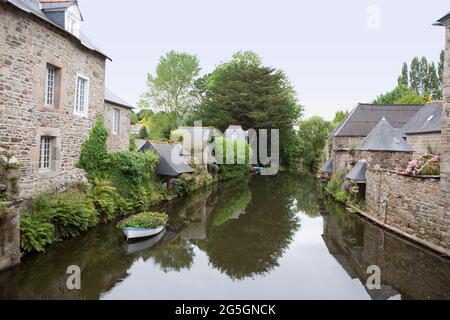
[266, 238]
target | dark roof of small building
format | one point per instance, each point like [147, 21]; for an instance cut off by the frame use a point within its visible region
[427, 120]
[384, 137]
[444, 21]
[140, 143]
[362, 119]
[28, 7]
[327, 166]
[358, 173]
[111, 97]
[168, 166]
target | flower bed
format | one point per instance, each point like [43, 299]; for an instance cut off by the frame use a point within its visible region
[145, 220]
[427, 165]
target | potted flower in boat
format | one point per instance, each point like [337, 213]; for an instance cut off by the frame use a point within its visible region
[143, 225]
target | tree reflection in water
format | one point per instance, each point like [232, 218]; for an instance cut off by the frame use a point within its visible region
[255, 236]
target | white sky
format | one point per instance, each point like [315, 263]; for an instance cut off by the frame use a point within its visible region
[326, 48]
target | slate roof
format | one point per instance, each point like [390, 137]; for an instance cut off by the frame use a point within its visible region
[362, 119]
[427, 120]
[384, 137]
[358, 173]
[140, 143]
[444, 21]
[168, 166]
[327, 166]
[111, 97]
[27, 6]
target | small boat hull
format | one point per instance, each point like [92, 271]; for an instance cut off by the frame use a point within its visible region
[133, 233]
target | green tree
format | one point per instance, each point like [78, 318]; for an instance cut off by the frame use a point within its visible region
[404, 79]
[440, 74]
[400, 95]
[312, 136]
[338, 118]
[243, 91]
[434, 87]
[170, 89]
[415, 75]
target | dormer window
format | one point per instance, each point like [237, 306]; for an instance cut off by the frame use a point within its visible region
[73, 20]
[65, 14]
[430, 118]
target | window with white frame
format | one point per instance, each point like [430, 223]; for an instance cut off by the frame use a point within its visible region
[81, 96]
[50, 85]
[45, 153]
[115, 121]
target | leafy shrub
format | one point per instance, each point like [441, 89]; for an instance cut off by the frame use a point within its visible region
[105, 199]
[341, 196]
[94, 151]
[51, 217]
[72, 214]
[35, 233]
[132, 172]
[239, 151]
[335, 186]
[146, 220]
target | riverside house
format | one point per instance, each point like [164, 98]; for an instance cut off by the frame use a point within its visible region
[414, 205]
[52, 89]
[343, 141]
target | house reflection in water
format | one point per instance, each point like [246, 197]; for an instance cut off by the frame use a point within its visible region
[408, 271]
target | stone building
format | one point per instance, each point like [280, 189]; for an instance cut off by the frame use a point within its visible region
[117, 115]
[344, 140]
[423, 131]
[445, 144]
[52, 89]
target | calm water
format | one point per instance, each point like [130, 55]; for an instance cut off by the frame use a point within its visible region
[269, 238]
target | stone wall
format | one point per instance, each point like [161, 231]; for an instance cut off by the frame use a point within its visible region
[413, 205]
[9, 237]
[120, 141]
[344, 152]
[385, 159]
[421, 143]
[28, 45]
[445, 163]
[339, 143]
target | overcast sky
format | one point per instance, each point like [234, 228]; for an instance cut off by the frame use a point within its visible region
[335, 53]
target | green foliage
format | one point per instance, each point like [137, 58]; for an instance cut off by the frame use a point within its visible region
[143, 133]
[224, 213]
[133, 173]
[170, 89]
[334, 186]
[403, 80]
[235, 150]
[35, 233]
[161, 125]
[106, 199]
[51, 217]
[400, 95]
[243, 91]
[338, 118]
[145, 220]
[94, 151]
[312, 139]
[238, 151]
